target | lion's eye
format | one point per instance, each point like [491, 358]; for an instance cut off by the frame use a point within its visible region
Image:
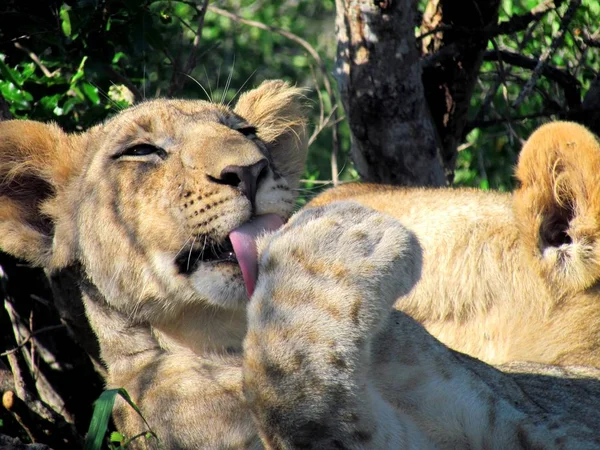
[143, 150]
[247, 131]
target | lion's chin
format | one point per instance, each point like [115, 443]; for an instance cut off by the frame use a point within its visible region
[220, 284]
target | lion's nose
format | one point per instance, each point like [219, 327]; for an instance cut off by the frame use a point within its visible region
[245, 178]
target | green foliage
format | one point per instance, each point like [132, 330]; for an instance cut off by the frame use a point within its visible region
[99, 424]
[492, 150]
[78, 61]
[93, 59]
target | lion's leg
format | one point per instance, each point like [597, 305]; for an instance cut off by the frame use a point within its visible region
[326, 363]
[326, 285]
[461, 401]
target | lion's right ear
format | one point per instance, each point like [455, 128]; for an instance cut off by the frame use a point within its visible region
[36, 162]
[557, 206]
[278, 111]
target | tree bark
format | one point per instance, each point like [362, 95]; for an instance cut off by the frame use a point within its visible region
[379, 76]
[590, 107]
[454, 57]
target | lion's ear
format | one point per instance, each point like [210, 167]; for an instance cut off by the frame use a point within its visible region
[277, 110]
[557, 206]
[36, 162]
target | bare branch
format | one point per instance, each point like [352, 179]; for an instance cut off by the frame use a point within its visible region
[312, 52]
[521, 22]
[31, 335]
[180, 74]
[37, 61]
[570, 84]
[191, 62]
[556, 42]
[564, 115]
[324, 123]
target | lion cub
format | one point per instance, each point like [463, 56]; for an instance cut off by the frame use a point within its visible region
[509, 277]
[292, 342]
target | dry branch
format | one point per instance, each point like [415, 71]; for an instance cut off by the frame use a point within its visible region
[556, 42]
[181, 73]
[320, 64]
[569, 84]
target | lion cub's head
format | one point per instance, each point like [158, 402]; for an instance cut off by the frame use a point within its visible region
[146, 200]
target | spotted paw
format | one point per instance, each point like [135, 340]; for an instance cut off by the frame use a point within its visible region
[342, 261]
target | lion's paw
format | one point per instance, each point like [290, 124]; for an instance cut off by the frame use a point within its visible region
[344, 260]
[326, 284]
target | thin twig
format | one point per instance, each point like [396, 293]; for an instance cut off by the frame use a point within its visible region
[321, 104]
[37, 61]
[546, 113]
[179, 75]
[556, 42]
[520, 22]
[487, 102]
[30, 336]
[569, 83]
[191, 62]
[323, 124]
[315, 55]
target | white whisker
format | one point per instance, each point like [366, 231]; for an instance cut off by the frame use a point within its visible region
[199, 84]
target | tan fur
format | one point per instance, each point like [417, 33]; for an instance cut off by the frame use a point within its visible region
[317, 358]
[500, 279]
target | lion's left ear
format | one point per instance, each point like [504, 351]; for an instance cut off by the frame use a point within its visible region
[277, 110]
[37, 162]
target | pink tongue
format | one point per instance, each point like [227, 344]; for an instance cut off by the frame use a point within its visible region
[243, 240]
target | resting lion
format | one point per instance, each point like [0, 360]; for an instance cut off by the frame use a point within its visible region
[158, 211]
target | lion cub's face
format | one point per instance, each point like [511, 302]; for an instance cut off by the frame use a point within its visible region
[159, 188]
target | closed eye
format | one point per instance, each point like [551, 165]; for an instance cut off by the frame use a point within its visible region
[247, 131]
[141, 150]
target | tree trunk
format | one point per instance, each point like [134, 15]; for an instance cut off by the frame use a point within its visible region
[590, 115]
[379, 76]
[451, 62]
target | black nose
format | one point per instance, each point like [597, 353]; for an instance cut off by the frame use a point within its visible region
[245, 178]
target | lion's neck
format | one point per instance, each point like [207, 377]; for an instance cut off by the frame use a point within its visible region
[203, 330]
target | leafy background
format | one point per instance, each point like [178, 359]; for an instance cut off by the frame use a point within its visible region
[77, 62]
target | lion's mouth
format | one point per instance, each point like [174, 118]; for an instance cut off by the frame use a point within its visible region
[188, 260]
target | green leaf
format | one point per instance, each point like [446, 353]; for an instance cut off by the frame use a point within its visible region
[65, 19]
[80, 71]
[99, 424]
[118, 57]
[102, 412]
[8, 74]
[116, 437]
[50, 102]
[90, 92]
